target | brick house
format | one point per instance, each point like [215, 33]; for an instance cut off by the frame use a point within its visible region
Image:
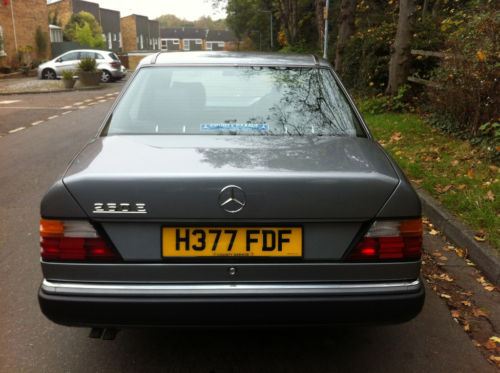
[18, 24]
[138, 33]
[218, 40]
[108, 19]
[65, 8]
[184, 38]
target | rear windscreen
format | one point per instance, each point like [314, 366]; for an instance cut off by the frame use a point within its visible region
[234, 101]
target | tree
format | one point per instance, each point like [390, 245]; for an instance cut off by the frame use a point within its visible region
[346, 28]
[81, 19]
[84, 36]
[171, 21]
[289, 18]
[209, 23]
[399, 65]
[320, 21]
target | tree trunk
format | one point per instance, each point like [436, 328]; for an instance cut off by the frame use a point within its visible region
[287, 10]
[424, 9]
[346, 30]
[399, 65]
[320, 21]
[435, 8]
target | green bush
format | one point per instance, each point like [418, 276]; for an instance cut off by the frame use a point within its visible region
[88, 64]
[382, 104]
[367, 54]
[467, 96]
[41, 40]
[67, 74]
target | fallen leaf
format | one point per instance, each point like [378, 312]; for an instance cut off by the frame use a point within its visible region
[478, 312]
[494, 358]
[443, 258]
[495, 339]
[490, 195]
[466, 303]
[466, 327]
[444, 189]
[476, 343]
[490, 345]
[436, 254]
[480, 237]
[460, 253]
[446, 277]
[470, 173]
[399, 152]
[455, 314]
[462, 186]
[490, 288]
[433, 232]
[454, 163]
[446, 296]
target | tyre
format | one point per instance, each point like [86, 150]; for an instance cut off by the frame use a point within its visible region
[106, 77]
[48, 74]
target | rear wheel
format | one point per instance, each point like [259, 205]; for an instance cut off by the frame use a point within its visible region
[106, 76]
[48, 74]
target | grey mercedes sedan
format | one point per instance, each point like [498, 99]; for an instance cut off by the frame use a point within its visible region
[230, 189]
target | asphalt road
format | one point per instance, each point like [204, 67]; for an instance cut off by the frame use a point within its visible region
[33, 158]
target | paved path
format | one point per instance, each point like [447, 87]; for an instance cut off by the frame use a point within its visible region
[33, 158]
[18, 112]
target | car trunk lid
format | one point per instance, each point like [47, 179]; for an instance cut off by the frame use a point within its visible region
[165, 177]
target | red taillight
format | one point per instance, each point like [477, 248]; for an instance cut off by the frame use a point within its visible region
[115, 64]
[390, 240]
[72, 241]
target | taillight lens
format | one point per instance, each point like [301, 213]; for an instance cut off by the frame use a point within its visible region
[115, 64]
[72, 240]
[391, 239]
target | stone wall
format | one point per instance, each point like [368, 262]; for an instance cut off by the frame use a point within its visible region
[28, 15]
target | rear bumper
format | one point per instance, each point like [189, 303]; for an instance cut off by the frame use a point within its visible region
[229, 305]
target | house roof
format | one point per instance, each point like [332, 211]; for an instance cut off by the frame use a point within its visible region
[183, 33]
[220, 35]
[110, 11]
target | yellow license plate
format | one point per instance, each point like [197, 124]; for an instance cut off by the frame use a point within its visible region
[232, 241]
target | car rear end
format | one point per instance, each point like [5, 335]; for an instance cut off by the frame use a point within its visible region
[113, 64]
[154, 228]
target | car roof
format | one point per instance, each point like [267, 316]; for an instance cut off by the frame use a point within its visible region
[232, 58]
[86, 50]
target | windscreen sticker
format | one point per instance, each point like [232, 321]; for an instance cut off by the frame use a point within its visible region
[234, 127]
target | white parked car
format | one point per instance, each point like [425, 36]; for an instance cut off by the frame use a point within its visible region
[107, 62]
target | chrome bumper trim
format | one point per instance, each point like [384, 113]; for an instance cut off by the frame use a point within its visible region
[92, 289]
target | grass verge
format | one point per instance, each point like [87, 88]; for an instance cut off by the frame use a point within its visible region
[452, 170]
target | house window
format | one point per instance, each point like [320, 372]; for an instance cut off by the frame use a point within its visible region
[141, 42]
[114, 37]
[221, 44]
[104, 37]
[110, 42]
[164, 44]
[186, 45]
[198, 41]
[120, 39]
[2, 51]
[176, 42]
[209, 46]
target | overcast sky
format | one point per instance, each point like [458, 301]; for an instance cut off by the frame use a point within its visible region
[188, 9]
